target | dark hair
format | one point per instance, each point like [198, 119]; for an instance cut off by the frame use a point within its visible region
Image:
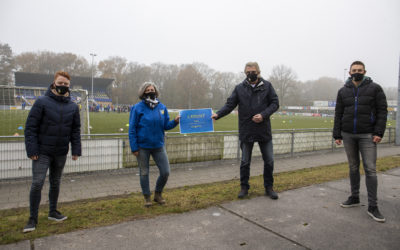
[357, 63]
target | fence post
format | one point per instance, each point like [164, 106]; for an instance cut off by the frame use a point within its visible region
[118, 152]
[292, 144]
[238, 149]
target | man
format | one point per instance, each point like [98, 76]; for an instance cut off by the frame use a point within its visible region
[257, 101]
[360, 121]
[52, 124]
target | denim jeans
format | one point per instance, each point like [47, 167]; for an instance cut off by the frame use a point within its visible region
[355, 144]
[55, 164]
[160, 157]
[266, 149]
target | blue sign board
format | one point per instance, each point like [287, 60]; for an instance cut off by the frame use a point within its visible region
[196, 121]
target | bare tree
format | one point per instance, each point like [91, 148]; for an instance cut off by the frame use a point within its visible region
[47, 62]
[391, 93]
[324, 88]
[192, 88]
[6, 64]
[282, 78]
[113, 67]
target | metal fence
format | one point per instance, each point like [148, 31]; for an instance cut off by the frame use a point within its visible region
[112, 151]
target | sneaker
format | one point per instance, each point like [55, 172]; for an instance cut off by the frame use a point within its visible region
[147, 201]
[56, 216]
[243, 193]
[351, 202]
[269, 191]
[375, 214]
[30, 226]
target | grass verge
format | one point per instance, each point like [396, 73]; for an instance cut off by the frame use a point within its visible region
[106, 211]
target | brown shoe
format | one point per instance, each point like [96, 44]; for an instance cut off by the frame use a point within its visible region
[158, 198]
[147, 201]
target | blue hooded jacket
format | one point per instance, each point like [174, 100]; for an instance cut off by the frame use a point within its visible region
[147, 126]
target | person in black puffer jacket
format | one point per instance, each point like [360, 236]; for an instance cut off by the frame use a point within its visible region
[52, 123]
[360, 121]
[257, 101]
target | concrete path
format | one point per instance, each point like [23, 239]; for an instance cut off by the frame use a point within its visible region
[304, 218]
[15, 193]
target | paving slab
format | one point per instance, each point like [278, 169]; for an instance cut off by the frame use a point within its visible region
[395, 171]
[312, 217]
[212, 228]
[23, 245]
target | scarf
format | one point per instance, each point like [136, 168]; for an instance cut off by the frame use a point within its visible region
[151, 103]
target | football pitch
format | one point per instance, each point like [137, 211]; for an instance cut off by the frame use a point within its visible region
[12, 122]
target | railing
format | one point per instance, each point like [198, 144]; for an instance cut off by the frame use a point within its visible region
[112, 151]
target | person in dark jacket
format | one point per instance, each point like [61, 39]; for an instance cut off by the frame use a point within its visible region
[148, 120]
[52, 123]
[257, 101]
[360, 121]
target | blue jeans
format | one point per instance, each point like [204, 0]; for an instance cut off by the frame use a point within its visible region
[160, 157]
[267, 152]
[354, 144]
[55, 164]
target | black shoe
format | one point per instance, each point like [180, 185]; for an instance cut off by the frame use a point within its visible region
[375, 214]
[243, 193]
[56, 216]
[269, 191]
[351, 202]
[30, 226]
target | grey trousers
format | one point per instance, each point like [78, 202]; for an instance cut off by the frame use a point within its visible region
[355, 144]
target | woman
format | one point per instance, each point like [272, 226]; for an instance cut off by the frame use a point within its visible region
[148, 120]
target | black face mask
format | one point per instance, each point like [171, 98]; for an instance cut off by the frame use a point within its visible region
[151, 95]
[252, 77]
[357, 77]
[61, 89]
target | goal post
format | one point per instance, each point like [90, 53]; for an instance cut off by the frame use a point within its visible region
[16, 101]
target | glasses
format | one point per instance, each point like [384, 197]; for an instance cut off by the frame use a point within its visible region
[251, 72]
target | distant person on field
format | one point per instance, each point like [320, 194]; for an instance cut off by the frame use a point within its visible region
[52, 123]
[360, 121]
[257, 101]
[148, 120]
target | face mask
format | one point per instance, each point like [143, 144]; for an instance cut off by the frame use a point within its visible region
[252, 77]
[151, 95]
[357, 77]
[62, 89]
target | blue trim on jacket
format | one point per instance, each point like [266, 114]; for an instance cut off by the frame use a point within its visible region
[147, 126]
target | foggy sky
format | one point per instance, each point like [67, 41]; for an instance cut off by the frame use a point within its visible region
[314, 38]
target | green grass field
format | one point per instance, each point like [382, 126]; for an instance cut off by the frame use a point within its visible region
[109, 123]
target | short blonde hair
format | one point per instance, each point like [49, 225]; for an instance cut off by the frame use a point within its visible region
[252, 64]
[144, 86]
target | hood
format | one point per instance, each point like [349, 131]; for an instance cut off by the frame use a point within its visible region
[349, 83]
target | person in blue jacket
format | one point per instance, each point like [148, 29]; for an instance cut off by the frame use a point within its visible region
[52, 123]
[148, 120]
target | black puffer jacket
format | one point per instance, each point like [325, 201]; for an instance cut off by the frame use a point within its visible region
[52, 123]
[261, 99]
[361, 109]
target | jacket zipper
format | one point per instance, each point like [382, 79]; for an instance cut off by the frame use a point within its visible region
[61, 122]
[355, 110]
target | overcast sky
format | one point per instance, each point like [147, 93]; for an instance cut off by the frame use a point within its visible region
[314, 37]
